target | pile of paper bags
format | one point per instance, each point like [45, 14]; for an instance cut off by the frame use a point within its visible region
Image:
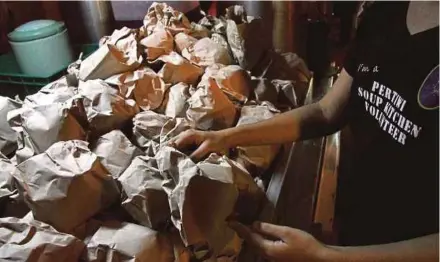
[88, 154]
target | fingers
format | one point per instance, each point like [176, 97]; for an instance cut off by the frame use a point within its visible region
[200, 152]
[278, 232]
[183, 140]
[258, 242]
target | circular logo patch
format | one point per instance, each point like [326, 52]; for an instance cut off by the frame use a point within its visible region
[428, 96]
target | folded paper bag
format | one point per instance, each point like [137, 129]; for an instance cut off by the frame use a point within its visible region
[34, 241]
[177, 69]
[175, 102]
[107, 61]
[209, 108]
[8, 137]
[66, 185]
[40, 126]
[106, 109]
[143, 85]
[146, 200]
[115, 151]
[127, 242]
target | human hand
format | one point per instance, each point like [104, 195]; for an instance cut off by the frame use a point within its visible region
[205, 141]
[286, 244]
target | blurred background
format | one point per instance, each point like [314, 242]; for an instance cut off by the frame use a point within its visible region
[318, 31]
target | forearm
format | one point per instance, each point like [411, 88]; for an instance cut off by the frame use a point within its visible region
[423, 249]
[301, 123]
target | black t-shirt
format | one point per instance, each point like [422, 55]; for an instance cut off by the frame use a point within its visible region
[392, 192]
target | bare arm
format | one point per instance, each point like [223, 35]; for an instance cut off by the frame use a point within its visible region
[317, 119]
[290, 244]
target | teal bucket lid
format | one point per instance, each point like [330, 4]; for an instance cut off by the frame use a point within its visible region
[36, 29]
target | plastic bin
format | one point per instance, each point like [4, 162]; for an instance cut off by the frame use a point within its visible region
[13, 81]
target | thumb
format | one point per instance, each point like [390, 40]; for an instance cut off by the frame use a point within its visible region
[278, 232]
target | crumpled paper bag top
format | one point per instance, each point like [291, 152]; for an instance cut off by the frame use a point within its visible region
[257, 159]
[106, 109]
[183, 40]
[159, 42]
[146, 200]
[214, 24]
[125, 40]
[152, 130]
[210, 72]
[163, 15]
[175, 102]
[204, 196]
[7, 186]
[278, 92]
[246, 38]
[127, 242]
[108, 60]
[115, 152]
[38, 127]
[234, 81]
[143, 85]
[34, 241]
[177, 69]
[285, 66]
[199, 31]
[66, 185]
[210, 108]
[8, 137]
[48, 96]
[206, 52]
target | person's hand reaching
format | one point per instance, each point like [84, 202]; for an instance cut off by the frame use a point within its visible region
[281, 243]
[203, 142]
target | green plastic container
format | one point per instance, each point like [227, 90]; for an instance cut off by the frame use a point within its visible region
[41, 47]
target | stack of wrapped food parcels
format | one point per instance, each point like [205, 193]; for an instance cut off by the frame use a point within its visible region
[86, 170]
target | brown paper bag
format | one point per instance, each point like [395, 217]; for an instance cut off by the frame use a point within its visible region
[243, 32]
[125, 40]
[257, 159]
[115, 152]
[126, 242]
[285, 66]
[8, 137]
[146, 201]
[152, 130]
[209, 108]
[41, 126]
[177, 69]
[11, 202]
[59, 91]
[142, 85]
[7, 184]
[202, 197]
[175, 101]
[206, 52]
[183, 41]
[106, 109]
[280, 93]
[163, 15]
[199, 31]
[234, 81]
[66, 185]
[107, 61]
[159, 42]
[214, 24]
[34, 241]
